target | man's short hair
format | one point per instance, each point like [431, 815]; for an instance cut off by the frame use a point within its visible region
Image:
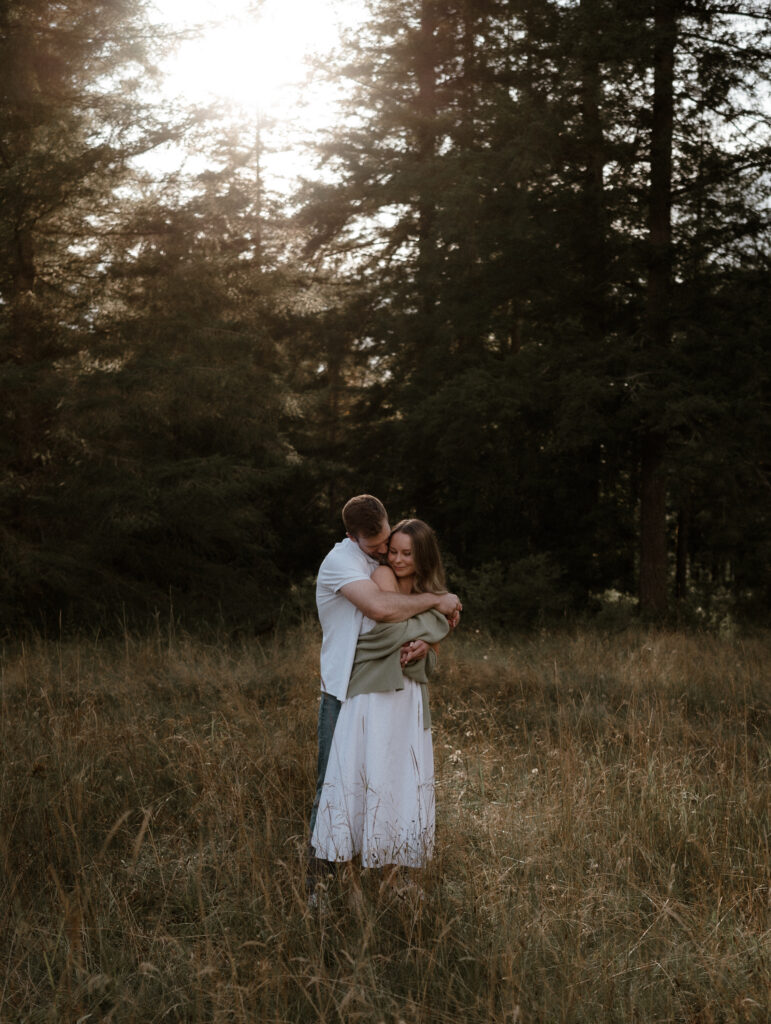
[364, 516]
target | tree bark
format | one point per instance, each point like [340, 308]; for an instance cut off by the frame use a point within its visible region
[653, 529]
[653, 505]
[595, 219]
[683, 543]
[425, 70]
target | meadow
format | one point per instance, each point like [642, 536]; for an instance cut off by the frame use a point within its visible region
[603, 849]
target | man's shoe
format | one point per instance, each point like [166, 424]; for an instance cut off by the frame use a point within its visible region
[318, 896]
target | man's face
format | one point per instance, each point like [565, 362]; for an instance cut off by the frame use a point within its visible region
[376, 547]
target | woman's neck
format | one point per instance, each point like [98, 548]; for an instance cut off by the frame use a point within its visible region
[406, 584]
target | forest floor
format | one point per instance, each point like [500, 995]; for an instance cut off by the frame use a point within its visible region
[603, 849]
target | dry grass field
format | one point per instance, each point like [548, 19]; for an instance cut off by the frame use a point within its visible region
[602, 832]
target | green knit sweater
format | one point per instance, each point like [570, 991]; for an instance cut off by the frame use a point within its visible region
[376, 666]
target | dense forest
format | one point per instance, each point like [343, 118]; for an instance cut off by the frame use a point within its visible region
[525, 296]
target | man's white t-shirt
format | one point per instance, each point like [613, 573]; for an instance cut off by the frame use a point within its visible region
[340, 619]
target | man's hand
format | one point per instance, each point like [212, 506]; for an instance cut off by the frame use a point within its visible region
[449, 605]
[413, 651]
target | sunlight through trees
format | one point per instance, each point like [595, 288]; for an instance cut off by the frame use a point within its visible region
[516, 282]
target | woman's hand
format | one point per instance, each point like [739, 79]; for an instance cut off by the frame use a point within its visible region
[413, 651]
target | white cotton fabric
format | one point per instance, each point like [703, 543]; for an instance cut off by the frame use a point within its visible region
[341, 621]
[378, 795]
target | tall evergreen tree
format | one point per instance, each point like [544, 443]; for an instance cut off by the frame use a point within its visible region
[707, 64]
[72, 116]
[523, 201]
[146, 351]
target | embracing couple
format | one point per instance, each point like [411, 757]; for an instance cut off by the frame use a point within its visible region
[383, 607]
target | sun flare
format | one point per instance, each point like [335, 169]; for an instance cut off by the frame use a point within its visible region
[250, 54]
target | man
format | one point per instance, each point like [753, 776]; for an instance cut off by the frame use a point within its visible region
[345, 593]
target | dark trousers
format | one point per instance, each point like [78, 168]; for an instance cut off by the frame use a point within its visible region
[329, 709]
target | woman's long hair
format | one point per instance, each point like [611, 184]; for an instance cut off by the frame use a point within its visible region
[429, 571]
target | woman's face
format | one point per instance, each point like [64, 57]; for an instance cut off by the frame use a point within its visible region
[400, 555]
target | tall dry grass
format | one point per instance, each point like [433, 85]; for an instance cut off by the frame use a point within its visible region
[603, 837]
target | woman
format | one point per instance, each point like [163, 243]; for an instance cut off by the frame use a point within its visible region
[378, 795]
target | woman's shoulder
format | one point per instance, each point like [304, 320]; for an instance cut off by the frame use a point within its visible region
[385, 578]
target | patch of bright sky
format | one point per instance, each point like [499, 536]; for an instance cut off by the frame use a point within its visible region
[253, 54]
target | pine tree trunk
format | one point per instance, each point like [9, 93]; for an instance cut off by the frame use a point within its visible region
[683, 543]
[594, 205]
[653, 534]
[653, 506]
[426, 147]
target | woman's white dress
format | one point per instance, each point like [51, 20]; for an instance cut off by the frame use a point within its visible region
[378, 795]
